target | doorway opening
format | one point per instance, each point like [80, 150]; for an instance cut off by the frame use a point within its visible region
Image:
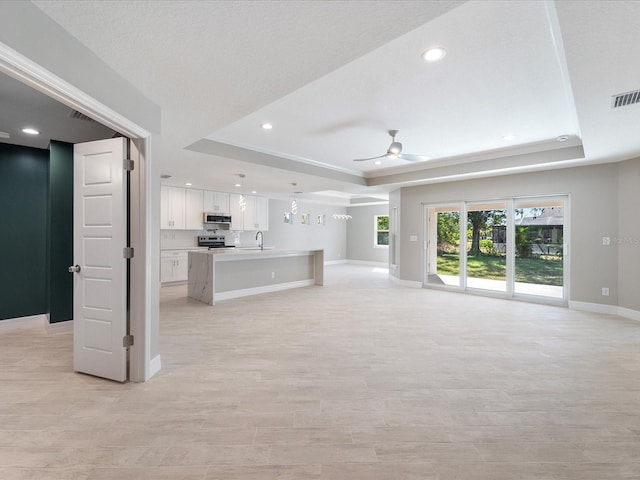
[144, 274]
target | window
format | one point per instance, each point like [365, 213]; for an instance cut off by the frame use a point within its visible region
[381, 231]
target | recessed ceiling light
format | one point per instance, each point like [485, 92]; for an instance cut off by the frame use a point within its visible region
[378, 162]
[509, 137]
[188, 184]
[30, 131]
[267, 126]
[4, 135]
[434, 54]
[562, 138]
[237, 185]
[253, 191]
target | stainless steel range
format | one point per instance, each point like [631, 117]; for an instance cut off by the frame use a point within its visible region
[212, 241]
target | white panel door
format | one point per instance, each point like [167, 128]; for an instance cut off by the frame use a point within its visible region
[99, 285]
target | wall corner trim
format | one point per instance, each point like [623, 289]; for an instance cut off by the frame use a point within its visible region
[154, 366]
[58, 327]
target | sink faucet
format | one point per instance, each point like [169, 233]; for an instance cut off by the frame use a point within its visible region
[261, 242]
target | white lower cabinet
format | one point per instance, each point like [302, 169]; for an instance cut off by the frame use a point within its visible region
[174, 266]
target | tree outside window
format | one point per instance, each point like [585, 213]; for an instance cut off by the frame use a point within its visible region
[382, 230]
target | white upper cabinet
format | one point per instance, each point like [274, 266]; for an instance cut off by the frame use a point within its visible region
[255, 215]
[193, 209]
[180, 208]
[237, 214]
[262, 213]
[172, 207]
[216, 202]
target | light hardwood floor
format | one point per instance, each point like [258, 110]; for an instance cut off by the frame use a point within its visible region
[359, 379]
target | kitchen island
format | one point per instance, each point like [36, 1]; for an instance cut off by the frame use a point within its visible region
[224, 273]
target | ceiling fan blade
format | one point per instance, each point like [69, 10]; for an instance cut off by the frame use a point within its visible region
[412, 158]
[372, 158]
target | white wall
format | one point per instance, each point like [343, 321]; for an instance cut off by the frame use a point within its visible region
[594, 204]
[361, 234]
[331, 237]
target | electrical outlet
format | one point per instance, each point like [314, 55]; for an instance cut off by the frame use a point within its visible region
[606, 241]
[273, 274]
[605, 291]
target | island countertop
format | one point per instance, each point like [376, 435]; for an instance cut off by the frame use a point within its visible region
[230, 254]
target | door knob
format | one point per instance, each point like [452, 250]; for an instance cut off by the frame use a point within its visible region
[74, 268]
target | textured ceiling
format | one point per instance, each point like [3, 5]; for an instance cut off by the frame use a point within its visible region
[334, 76]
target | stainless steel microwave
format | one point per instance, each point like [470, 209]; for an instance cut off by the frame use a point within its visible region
[216, 218]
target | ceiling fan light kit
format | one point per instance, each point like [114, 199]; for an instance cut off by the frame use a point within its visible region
[395, 152]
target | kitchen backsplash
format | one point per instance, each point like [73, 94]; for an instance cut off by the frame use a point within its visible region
[189, 238]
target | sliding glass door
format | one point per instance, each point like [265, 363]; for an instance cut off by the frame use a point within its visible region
[514, 247]
[443, 263]
[487, 246]
[539, 252]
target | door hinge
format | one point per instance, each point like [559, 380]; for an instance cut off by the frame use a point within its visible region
[127, 164]
[127, 341]
[127, 252]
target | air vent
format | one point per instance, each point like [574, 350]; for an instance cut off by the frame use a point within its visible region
[624, 99]
[80, 116]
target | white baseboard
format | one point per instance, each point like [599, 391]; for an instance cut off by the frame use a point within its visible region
[154, 366]
[628, 313]
[22, 322]
[335, 262]
[58, 327]
[405, 283]
[265, 289]
[372, 264]
[605, 309]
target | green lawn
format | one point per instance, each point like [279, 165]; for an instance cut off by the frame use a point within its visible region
[541, 271]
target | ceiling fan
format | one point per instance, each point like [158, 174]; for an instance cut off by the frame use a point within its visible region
[395, 151]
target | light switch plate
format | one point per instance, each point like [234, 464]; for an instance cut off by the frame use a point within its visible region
[606, 241]
[413, 238]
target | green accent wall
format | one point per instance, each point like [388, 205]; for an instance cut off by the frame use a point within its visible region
[23, 230]
[60, 255]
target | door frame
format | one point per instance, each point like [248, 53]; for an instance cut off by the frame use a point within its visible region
[144, 294]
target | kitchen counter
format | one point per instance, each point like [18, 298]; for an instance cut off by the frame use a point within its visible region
[224, 273]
